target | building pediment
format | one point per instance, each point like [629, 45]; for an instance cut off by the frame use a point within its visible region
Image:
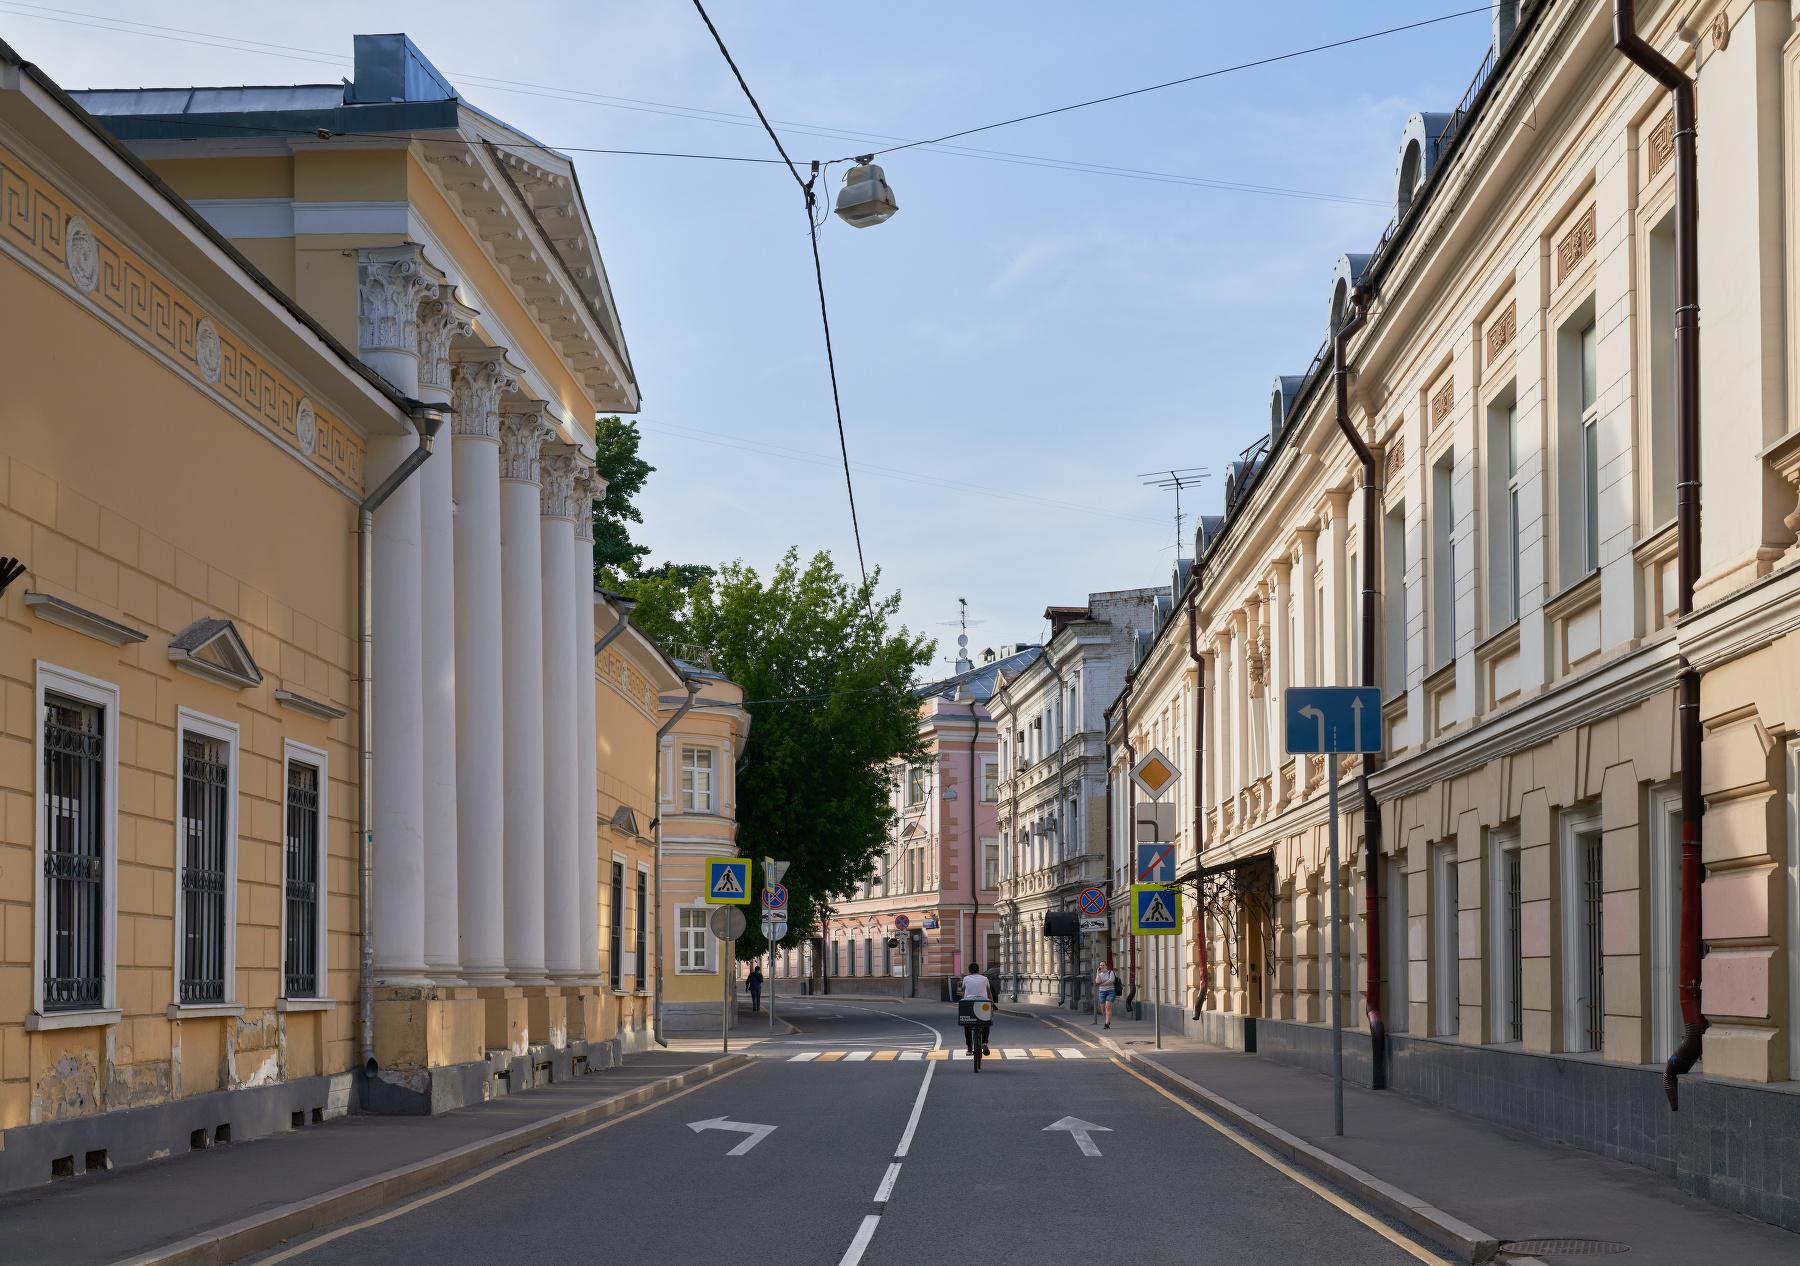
[213, 649]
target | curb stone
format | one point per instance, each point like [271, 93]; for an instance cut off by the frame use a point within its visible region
[1468, 1243]
[266, 1229]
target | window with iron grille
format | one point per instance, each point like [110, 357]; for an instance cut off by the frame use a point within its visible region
[868, 956]
[1594, 1004]
[643, 924]
[616, 936]
[300, 961]
[74, 844]
[1515, 965]
[205, 804]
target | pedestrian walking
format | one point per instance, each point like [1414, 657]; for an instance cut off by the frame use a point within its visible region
[755, 981]
[1106, 988]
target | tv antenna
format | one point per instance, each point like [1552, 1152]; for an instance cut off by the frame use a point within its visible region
[962, 636]
[1176, 481]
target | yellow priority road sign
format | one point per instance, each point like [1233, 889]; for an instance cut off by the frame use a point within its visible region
[1155, 773]
[728, 881]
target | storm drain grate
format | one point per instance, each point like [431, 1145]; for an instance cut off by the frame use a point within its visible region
[1561, 1248]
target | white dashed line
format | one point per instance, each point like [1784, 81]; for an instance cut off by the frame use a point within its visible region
[887, 1183]
[860, 1244]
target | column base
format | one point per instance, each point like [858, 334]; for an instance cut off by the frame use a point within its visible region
[421, 1030]
[546, 1016]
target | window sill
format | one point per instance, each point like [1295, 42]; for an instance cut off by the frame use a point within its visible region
[305, 1004]
[45, 1021]
[204, 1011]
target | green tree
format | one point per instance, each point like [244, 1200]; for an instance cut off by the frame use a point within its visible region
[828, 678]
[616, 460]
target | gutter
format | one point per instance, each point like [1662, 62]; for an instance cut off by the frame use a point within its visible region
[693, 688]
[429, 421]
[624, 606]
[1340, 373]
[1687, 518]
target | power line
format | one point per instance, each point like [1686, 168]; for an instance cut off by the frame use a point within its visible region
[812, 225]
[1188, 79]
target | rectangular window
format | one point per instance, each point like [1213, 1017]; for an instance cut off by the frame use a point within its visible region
[691, 939]
[915, 785]
[643, 930]
[1503, 511]
[1578, 449]
[1399, 968]
[615, 940]
[1393, 554]
[75, 863]
[990, 863]
[1584, 1000]
[868, 956]
[1507, 962]
[1443, 559]
[1446, 943]
[1662, 371]
[301, 874]
[697, 780]
[1590, 453]
[1665, 924]
[836, 960]
[204, 845]
[990, 782]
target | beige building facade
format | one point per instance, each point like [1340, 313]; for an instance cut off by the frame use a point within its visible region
[1514, 380]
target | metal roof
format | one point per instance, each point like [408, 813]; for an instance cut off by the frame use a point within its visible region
[980, 681]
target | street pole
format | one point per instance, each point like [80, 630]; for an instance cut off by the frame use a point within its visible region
[1156, 987]
[769, 984]
[725, 969]
[1337, 962]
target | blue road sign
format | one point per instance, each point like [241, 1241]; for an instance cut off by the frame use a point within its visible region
[1155, 911]
[775, 898]
[728, 881]
[1323, 719]
[1155, 864]
[1093, 901]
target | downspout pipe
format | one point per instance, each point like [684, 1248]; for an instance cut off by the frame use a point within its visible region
[624, 607]
[429, 421]
[1638, 51]
[1131, 807]
[693, 688]
[1371, 522]
[976, 864]
[1202, 968]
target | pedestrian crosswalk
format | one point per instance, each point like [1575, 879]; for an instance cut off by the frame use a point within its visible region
[901, 1056]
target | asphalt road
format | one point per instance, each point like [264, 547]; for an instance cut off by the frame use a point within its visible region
[883, 1156]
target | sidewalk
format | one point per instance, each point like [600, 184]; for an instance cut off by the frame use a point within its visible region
[1509, 1185]
[229, 1201]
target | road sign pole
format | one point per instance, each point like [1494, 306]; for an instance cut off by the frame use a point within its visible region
[725, 970]
[1156, 964]
[769, 984]
[1337, 960]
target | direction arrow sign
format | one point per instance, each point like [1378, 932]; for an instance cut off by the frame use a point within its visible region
[1324, 719]
[728, 881]
[1155, 910]
[757, 1133]
[1155, 864]
[1155, 773]
[1081, 1131]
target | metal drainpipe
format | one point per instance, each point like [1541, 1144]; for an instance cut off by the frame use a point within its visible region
[429, 421]
[1687, 515]
[975, 863]
[624, 606]
[1012, 939]
[1340, 373]
[656, 1022]
[1131, 802]
[1200, 946]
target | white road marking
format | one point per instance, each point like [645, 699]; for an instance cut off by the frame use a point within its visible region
[912, 1054]
[855, 1056]
[887, 1183]
[1015, 1052]
[1081, 1131]
[1069, 1052]
[803, 1056]
[913, 1121]
[756, 1133]
[860, 1244]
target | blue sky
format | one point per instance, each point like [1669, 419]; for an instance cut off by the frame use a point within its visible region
[1015, 346]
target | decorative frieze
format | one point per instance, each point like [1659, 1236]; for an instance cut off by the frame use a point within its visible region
[1441, 401]
[1502, 330]
[82, 255]
[477, 384]
[392, 286]
[1662, 144]
[206, 350]
[1576, 245]
[306, 427]
[1393, 466]
[522, 438]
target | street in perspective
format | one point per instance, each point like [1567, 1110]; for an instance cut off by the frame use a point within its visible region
[1201, 664]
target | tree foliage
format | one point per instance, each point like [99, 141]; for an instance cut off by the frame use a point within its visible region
[616, 460]
[828, 678]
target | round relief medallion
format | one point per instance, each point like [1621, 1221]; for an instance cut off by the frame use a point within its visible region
[206, 350]
[306, 427]
[82, 254]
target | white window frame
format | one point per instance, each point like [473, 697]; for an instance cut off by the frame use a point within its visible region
[1572, 825]
[105, 696]
[990, 862]
[916, 786]
[293, 751]
[187, 720]
[1590, 445]
[708, 953]
[690, 801]
[990, 781]
[1399, 958]
[643, 959]
[1502, 844]
[1664, 807]
[1446, 938]
[1443, 560]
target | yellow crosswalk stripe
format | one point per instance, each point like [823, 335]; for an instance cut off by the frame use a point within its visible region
[828, 1056]
[937, 1055]
[888, 1056]
[881, 1055]
[1041, 1052]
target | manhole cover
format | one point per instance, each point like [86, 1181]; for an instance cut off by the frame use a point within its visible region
[1561, 1247]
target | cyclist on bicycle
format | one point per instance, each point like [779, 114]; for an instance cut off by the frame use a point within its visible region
[975, 985]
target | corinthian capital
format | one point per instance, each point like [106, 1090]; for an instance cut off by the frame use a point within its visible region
[558, 497]
[441, 318]
[522, 438]
[588, 486]
[479, 380]
[392, 282]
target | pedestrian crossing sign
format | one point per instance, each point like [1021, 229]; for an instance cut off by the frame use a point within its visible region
[1155, 910]
[728, 881]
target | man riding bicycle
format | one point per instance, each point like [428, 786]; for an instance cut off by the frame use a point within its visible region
[975, 985]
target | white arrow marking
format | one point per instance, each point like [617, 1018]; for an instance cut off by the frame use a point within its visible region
[1318, 716]
[757, 1133]
[1082, 1131]
[1356, 718]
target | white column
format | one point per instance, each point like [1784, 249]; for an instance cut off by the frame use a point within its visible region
[1276, 672]
[440, 320]
[522, 436]
[480, 718]
[588, 486]
[392, 286]
[562, 826]
[1306, 651]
